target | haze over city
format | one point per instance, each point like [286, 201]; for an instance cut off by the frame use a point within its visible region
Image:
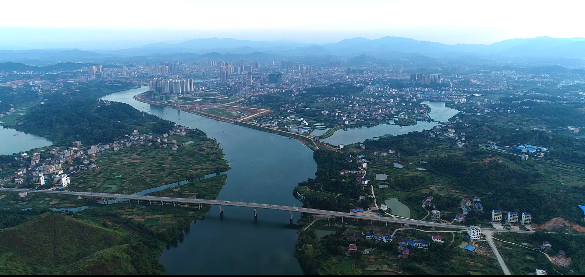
[289, 137]
[131, 23]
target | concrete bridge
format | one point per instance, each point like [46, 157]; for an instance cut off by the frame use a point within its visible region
[255, 206]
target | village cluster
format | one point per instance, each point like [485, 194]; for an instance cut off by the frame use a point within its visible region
[54, 169]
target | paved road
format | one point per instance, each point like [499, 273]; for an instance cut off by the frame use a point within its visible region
[410, 222]
[489, 238]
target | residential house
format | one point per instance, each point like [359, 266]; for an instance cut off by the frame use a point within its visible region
[39, 179]
[62, 180]
[526, 218]
[459, 218]
[496, 216]
[474, 232]
[417, 243]
[437, 239]
[512, 217]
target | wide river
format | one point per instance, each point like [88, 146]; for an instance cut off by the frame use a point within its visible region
[265, 168]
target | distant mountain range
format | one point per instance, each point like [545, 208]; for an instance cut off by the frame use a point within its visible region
[382, 48]
[532, 47]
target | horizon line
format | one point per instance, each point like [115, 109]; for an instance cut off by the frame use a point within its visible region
[179, 41]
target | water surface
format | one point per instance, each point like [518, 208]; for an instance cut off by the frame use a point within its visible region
[397, 208]
[12, 141]
[265, 168]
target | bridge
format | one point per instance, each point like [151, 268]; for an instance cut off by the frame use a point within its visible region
[255, 206]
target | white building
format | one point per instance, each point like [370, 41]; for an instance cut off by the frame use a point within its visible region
[62, 180]
[540, 272]
[474, 232]
[39, 179]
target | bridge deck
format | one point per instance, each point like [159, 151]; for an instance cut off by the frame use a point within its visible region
[251, 205]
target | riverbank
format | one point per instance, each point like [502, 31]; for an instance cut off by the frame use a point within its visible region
[306, 140]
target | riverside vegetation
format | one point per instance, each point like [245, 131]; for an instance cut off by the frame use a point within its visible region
[126, 238]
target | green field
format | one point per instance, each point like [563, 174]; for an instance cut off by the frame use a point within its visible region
[138, 168]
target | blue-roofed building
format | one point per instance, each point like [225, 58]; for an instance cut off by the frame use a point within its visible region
[369, 235]
[470, 248]
[526, 218]
[417, 243]
[530, 148]
[512, 217]
[496, 216]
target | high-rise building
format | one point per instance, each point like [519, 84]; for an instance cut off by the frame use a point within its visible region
[92, 69]
[238, 69]
[162, 69]
[275, 78]
[425, 79]
[249, 80]
[224, 75]
[170, 86]
[248, 68]
[303, 81]
[174, 67]
[99, 68]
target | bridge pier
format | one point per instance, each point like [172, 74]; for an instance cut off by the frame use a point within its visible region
[174, 204]
[149, 201]
[255, 213]
[138, 201]
[220, 210]
[162, 203]
[200, 206]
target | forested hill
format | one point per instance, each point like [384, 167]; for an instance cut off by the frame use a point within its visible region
[90, 121]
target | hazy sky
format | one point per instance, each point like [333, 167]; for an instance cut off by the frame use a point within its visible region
[318, 21]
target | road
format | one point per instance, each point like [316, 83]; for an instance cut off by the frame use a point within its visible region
[490, 240]
[410, 222]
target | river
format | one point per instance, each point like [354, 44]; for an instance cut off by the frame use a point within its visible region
[439, 113]
[12, 141]
[265, 168]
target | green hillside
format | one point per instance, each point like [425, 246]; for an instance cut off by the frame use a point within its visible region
[55, 243]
